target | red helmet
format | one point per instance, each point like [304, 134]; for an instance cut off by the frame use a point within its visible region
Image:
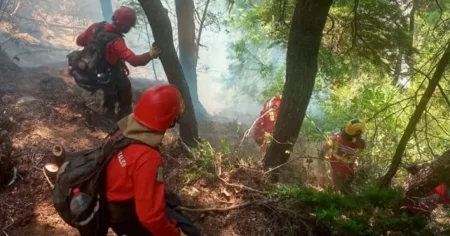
[125, 16]
[159, 107]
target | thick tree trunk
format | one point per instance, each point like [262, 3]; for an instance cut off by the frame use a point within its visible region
[430, 176]
[106, 9]
[188, 51]
[301, 68]
[433, 83]
[162, 32]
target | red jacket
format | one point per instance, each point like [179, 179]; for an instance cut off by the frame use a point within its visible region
[116, 49]
[264, 125]
[343, 154]
[132, 174]
[444, 194]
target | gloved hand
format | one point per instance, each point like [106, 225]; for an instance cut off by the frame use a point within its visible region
[155, 51]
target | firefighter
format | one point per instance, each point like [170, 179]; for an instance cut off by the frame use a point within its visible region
[116, 53]
[439, 195]
[342, 149]
[262, 132]
[135, 188]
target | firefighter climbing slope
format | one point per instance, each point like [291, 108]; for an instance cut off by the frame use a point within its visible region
[262, 132]
[101, 64]
[342, 149]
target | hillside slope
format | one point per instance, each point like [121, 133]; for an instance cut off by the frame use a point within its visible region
[43, 107]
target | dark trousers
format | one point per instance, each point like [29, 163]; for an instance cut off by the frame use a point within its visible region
[119, 91]
[132, 226]
[342, 182]
[124, 221]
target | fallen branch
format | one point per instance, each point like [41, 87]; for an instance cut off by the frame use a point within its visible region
[245, 204]
[298, 158]
[14, 177]
[47, 179]
[249, 130]
[241, 186]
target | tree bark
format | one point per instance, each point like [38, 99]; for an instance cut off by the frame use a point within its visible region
[188, 51]
[433, 83]
[301, 67]
[430, 176]
[162, 32]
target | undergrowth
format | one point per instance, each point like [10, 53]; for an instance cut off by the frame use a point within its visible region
[206, 160]
[366, 213]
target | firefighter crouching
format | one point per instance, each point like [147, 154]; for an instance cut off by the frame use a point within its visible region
[135, 188]
[424, 206]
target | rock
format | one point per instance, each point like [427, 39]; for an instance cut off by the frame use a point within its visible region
[23, 100]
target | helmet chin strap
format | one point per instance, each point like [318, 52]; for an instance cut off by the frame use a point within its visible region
[174, 122]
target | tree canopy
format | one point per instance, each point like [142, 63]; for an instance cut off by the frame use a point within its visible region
[365, 45]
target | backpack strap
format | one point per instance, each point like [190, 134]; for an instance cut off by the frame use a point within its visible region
[114, 144]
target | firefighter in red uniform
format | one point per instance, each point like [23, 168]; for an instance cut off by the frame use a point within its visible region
[116, 52]
[135, 187]
[426, 205]
[262, 132]
[342, 148]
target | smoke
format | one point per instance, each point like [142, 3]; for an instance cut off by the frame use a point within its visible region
[213, 73]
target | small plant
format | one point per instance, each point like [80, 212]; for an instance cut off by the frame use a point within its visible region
[203, 164]
[207, 162]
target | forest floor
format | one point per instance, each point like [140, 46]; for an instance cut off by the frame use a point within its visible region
[41, 107]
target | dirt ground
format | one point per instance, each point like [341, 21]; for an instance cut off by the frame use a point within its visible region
[43, 107]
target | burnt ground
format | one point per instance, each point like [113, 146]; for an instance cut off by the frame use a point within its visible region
[42, 107]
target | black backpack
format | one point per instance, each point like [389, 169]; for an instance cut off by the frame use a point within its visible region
[88, 66]
[85, 170]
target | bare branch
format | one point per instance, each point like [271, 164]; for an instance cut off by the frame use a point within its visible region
[332, 24]
[390, 105]
[201, 26]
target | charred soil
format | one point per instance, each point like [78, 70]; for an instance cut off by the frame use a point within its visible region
[42, 107]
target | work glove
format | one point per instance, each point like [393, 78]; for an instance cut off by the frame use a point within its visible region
[155, 51]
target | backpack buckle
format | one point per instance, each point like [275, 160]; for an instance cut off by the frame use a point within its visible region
[103, 78]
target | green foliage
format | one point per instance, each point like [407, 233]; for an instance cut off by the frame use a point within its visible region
[362, 48]
[203, 163]
[366, 213]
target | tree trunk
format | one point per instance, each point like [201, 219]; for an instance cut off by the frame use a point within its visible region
[412, 23]
[430, 176]
[162, 32]
[405, 56]
[188, 51]
[433, 83]
[301, 67]
[398, 68]
[106, 9]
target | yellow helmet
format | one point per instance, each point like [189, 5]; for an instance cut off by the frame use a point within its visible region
[355, 127]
